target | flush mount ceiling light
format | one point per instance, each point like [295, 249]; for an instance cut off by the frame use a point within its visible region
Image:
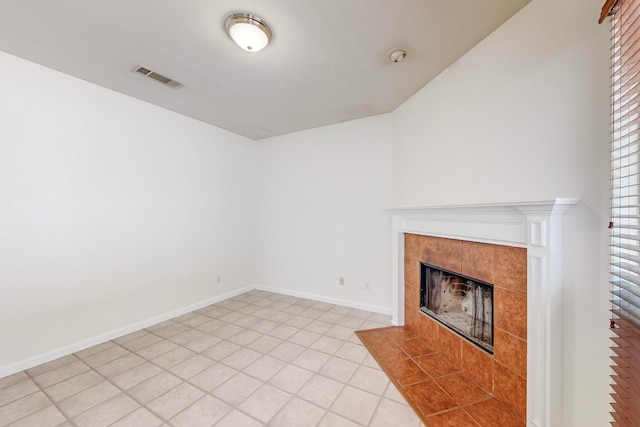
[249, 32]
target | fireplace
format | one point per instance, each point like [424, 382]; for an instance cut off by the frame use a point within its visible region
[463, 304]
[536, 228]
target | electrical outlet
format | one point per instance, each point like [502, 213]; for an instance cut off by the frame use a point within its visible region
[367, 285]
[342, 281]
[218, 279]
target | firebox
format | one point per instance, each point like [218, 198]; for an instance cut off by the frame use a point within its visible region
[462, 304]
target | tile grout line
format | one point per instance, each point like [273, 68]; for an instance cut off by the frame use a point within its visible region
[168, 338]
[314, 373]
[53, 403]
[344, 384]
[312, 317]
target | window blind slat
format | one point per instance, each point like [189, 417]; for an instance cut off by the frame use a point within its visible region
[621, 106]
[626, 329]
[625, 152]
[627, 16]
[626, 281]
[627, 266]
[624, 278]
[626, 55]
[619, 226]
[624, 360]
[628, 121]
[627, 286]
[624, 405]
[624, 349]
[629, 32]
[622, 374]
[624, 311]
[628, 301]
[626, 257]
[626, 236]
[627, 81]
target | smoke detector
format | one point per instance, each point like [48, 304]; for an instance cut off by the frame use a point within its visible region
[397, 54]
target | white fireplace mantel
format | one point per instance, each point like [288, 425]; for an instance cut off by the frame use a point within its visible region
[536, 226]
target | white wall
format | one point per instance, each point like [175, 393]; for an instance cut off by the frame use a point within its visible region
[112, 210]
[323, 194]
[524, 116]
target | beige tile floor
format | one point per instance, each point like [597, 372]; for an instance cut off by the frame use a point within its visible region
[253, 360]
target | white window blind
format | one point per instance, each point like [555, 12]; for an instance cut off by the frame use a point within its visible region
[625, 210]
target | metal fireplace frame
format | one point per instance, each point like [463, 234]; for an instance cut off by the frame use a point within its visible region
[435, 316]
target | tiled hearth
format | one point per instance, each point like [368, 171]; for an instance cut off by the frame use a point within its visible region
[440, 393]
[448, 380]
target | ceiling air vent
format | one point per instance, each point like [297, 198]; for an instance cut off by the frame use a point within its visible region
[157, 77]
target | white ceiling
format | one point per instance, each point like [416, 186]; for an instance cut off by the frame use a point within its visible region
[326, 64]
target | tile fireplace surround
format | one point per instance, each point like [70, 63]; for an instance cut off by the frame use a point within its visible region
[516, 246]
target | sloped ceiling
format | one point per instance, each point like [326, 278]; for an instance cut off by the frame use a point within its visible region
[327, 63]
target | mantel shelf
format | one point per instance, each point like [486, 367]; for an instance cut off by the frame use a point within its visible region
[557, 205]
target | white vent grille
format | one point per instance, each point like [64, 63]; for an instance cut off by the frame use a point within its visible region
[157, 77]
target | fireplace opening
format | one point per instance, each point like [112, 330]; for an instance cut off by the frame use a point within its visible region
[461, 303]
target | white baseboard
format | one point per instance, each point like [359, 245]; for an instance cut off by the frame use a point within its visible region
[322, 298]
[116, 333]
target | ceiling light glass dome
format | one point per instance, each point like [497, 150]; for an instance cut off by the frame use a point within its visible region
[248, 31]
